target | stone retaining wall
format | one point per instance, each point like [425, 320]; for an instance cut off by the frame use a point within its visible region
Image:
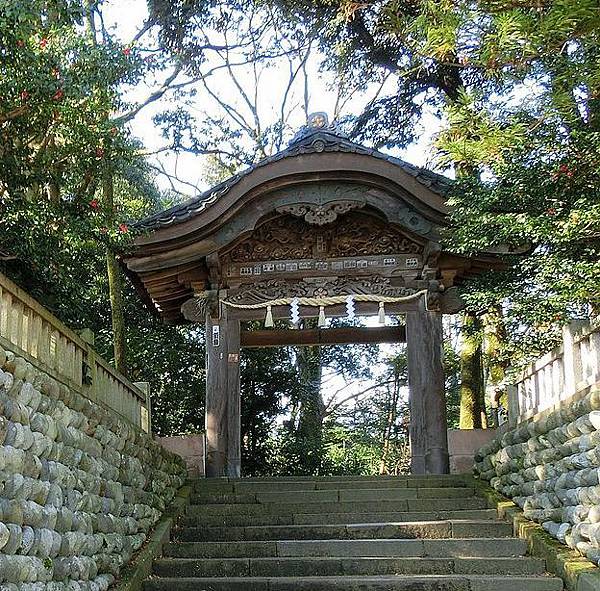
[550, 467]
[80, 487]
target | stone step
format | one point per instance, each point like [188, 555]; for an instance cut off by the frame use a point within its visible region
[298, 567]
[333, 518]
[347, 518]
[404, 530]
[447, 548]
[352, 477]
[381, 583]
[334, 495]
[305, 506]
[423, 533]
[249, 486]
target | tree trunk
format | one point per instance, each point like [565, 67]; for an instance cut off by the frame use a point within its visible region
[312, 408]
[392, 399]
[115, 285]
[115, 288]
[495, 339]
[472, 392]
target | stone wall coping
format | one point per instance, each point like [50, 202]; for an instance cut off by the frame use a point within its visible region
[139, 568]
[578, 573]
[581, 393]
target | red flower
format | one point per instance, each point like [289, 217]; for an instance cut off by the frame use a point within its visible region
[58, 94]
[20, 43]
[43, 43]
[94, 204]
[123, 228]
[99, 152]
[126, 50]
[24, 95]
[564, 169]
[551, 211]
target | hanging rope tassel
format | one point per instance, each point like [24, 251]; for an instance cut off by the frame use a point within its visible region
[381, 313]
[322, 321]
[269, 318]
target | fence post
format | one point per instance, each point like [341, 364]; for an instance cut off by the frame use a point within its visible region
[568, 361]
[571, 358]
[514, 412]
[89, 368]
[146, 418]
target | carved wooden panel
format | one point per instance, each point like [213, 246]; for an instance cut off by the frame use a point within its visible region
[298, 268]
[273, 289]
[353, 234]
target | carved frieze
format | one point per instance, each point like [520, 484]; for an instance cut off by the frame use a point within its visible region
[320, 215]
[353, 234]
[282, 238]
[364, 235]
[265, 291]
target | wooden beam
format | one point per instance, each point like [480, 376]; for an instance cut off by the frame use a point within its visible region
[327, 336]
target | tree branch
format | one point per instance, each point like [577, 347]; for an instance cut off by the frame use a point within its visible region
[151, 99]
[330, 410]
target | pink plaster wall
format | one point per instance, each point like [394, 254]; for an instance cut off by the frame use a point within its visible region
[190, 448]
[462, 446]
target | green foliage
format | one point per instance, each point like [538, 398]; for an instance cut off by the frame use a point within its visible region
[542, 203]
[268, 380]
[452, 374]
[60, 88]
[517, 86]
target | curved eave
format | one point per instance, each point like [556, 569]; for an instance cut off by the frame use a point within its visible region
[210, 214]
[309, 141]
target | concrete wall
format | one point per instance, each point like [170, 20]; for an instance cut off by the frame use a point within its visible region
[463, 444]
[550, 467]
[80, 485]
[190, 448]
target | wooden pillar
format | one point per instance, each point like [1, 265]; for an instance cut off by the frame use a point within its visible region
[234, 411]
[427, 398]
[222, 396]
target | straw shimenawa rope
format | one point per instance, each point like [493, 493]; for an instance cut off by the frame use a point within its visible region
[329, 301]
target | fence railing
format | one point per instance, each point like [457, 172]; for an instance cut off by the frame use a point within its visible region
[559, 374]
[28, 329]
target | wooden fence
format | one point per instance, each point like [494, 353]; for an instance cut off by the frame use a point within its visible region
[32, 332]
[558, 375]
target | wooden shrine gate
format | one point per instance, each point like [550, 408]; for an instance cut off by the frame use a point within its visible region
[325, 228]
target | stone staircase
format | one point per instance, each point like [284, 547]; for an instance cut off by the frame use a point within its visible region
[418, 533]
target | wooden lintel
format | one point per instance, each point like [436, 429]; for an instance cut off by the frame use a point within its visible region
[326, 336]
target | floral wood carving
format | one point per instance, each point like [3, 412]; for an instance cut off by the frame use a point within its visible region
[353, 234]
[320, 215]
[265, 291]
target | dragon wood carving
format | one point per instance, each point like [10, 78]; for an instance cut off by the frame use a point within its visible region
[265, 291]
[354, 234]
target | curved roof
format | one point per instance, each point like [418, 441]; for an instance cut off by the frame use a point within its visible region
[312, 141]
